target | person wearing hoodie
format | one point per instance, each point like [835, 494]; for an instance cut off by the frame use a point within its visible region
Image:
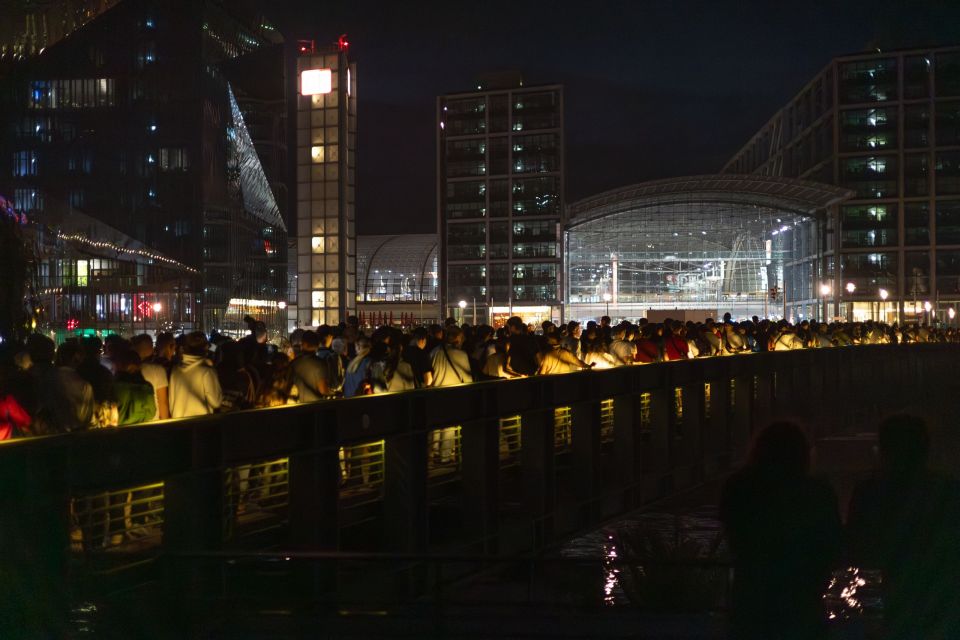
[194, 387]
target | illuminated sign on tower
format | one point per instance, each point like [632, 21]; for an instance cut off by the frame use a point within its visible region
[326, 176]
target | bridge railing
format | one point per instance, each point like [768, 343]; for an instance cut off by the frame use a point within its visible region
[494, 467]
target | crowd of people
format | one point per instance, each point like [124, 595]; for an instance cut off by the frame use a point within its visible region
[785, 534]
[88, 382]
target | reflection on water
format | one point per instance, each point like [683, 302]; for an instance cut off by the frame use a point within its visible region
[853, 593]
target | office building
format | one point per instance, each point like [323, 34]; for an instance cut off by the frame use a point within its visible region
[500, 200]
[326, 161]
[136, 122]
[885, 125]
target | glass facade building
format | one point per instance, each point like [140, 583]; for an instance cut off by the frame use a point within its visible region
[886, 126]
[500, 199]
[714, 243]
[137, 121]
[400, 268]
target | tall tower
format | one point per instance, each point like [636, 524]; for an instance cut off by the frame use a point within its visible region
[326, 184]
[500, 200]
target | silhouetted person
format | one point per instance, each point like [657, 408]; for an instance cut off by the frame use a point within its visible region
[783, 527]
[906, 522]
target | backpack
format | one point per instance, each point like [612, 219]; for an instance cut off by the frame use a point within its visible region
[334, 368]
[135, 402]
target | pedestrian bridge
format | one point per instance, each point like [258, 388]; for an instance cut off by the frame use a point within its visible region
[532, 461]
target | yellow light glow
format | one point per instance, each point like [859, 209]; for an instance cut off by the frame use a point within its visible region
[315, 81]
[316, 153]
[317, 299]
[316, 243]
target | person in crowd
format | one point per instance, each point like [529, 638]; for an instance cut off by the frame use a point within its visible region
[154, 373]
[331, 361]
[355, 376]
[784, 533]
[194, 386]
[105, 412]
[277, 388]
[309, 373]
[571, 340]
[388, 372]
[416, 354]
[905, 522]
[450, 364]
[60, 400]
[523, 355]
[595, 352]
[675, 345]
[236, 384]
[622, 348]
[558, 360]
[649, 345]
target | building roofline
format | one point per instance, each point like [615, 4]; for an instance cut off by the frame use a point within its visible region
[476, 92]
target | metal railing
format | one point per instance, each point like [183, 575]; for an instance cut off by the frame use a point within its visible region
[205, 483]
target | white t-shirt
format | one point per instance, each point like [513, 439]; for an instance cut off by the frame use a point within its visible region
[156, 375]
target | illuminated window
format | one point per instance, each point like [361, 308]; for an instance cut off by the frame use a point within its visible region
[317, 299]
[316, 153]
[316, 244]
[314, 81]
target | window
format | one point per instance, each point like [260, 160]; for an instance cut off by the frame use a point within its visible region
[466, 199]
[24, 163]
[868, 81]
[916, 76]
[916, 273]
[467, 241]
[870, 271]
[466, 158]
[916, 223]
[865, 129]
[464, 116]
[27, 200]
[948, 124]
[948, 173]
[536, 196]
[537, 154]
[870, 177]
[916, 125]
[916, 175]
[869, 225]
[948, 73]
[948, 272]
[174, 159]
[948, 221]
[146, 54]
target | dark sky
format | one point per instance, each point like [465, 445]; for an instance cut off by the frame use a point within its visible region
[653, 88]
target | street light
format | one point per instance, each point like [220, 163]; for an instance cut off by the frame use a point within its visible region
[851, 288]
[825, 289]
[607, 298]
[282, 305]
[463, 305]
[157, 307]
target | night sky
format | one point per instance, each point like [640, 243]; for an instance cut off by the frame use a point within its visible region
[653, 89]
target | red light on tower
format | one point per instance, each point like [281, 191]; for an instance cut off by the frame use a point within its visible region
[72, 324]
[342, 43]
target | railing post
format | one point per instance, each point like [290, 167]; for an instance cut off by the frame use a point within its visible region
[194, 501]
[481, 481]
[716, 427]
[585, 431]
[655, 451]
[34, 528]
[741, 426]
[537, 466]
[627, 439]
[405, 492]
[689, 439]
[314, 478]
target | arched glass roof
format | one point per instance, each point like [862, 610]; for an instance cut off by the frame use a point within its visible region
[397, 268]
[785, 194]
[697, 242]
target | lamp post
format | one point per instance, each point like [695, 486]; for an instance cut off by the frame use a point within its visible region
[851, 287]
[884, 294]
[157, 307]
[463, 305]
[825, 290]
[951, 313]
[927, 307]
[607, 298]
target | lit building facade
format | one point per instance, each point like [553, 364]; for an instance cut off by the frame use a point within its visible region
[887, 127]
[136, 122]
[326, 160]
[500, 200]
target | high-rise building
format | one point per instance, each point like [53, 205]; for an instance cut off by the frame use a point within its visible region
[500, 199]
[326, 160]
[138, 121]
[28, 26]
[887, 126]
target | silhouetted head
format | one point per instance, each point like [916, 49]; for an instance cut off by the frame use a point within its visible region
[904, 443]
[782, 448]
